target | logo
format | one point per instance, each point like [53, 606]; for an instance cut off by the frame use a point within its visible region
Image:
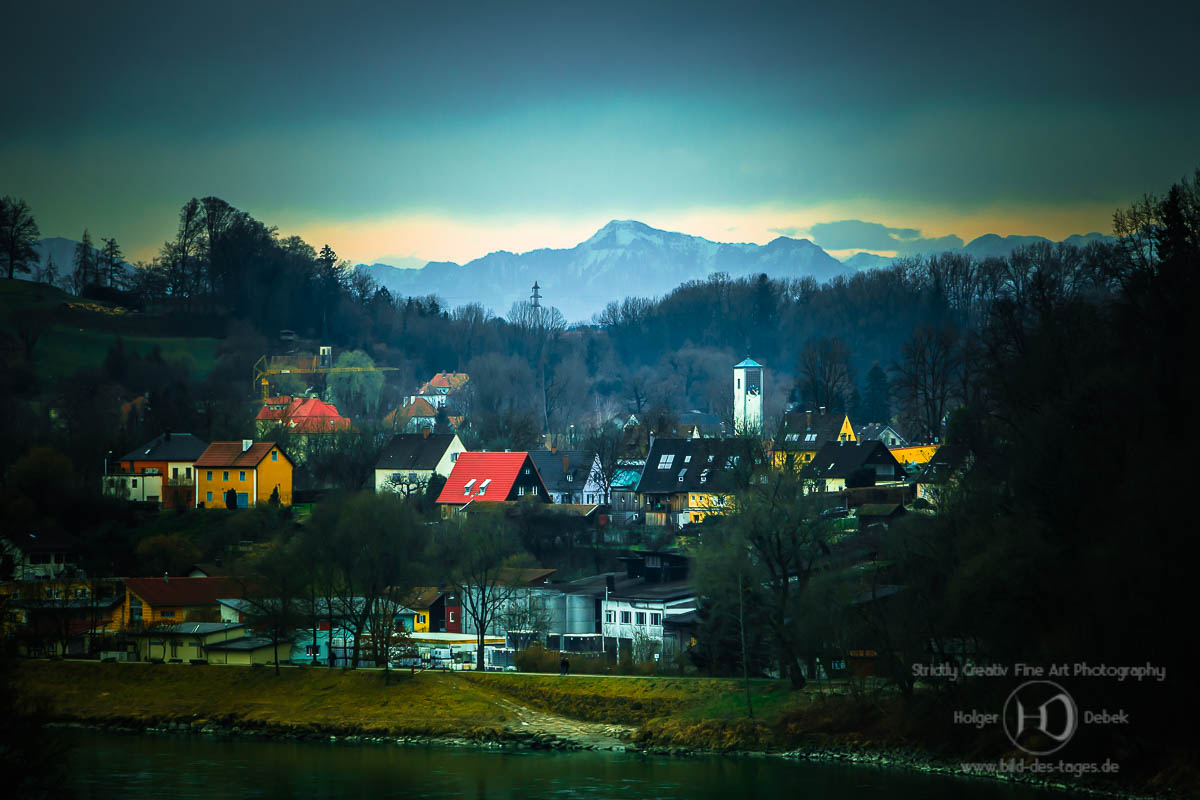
[1040, 707]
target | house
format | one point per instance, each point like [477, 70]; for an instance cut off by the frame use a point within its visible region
[569, 475]
[439, 387]
[160, 471]
[411, 459]
[67, 615]
[40, 555]
[685, 480]
[623, 491]
[878, 514]
[880, 431]
[646, 612]
[254, 471]
[302, 416]
[413, 416]
[167, 600]
[246, 651]
[839, 465]
[491, 477]
[804, 433]
[945, 468]
[183, 641]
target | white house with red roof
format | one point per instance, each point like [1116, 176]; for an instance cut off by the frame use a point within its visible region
[491, 478]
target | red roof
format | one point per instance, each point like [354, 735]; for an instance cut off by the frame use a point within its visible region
[444, 383]
[230, 454]
[303, 414]
[183, 591]
[500, 469]
[418, 408]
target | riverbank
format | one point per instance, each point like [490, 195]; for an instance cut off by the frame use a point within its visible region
[656, 715]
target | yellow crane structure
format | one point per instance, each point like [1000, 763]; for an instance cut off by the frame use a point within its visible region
[302, 365]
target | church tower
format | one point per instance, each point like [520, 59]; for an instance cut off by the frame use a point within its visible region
[748, 397]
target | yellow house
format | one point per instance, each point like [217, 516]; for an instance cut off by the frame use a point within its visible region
[253, 471]
[185, 641]
[804, 433]
[247, 650]
[685, 480]
[914, 453]
[166, 600]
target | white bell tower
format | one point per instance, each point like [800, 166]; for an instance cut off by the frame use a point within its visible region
[748, 379]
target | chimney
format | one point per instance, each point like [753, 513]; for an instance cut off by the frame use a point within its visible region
[821, 409]
[166, 577]
[808, 419]
[425, 433]
[246, 444]
[566, 460]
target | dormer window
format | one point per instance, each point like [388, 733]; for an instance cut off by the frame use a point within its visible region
[483, 487]
[682, 472]
[468, 486]
[810, 437]
[703, 475]
[570, 477]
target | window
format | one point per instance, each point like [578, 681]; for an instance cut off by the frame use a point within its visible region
[198, 644]
[311, 650]
[412, 477]
[520, 491]
[625, 617]
[641, 618]
[187, 473]
[175, 473]
[703, 475]
[274, 455]
[810, 437]
[610, 616]
[687, 459]
[792, 437]
[135, 608]
[570, 477]
[468, 486]
[682, 472]
[174, 648]
[664, 461]
[451, 619]
[208, 497]
[397, 477]
[454, 458]
[169, 613]
[656, 619]
[242, 475]
[208, 476]
[527, 470]
[225, 475]
[133, 483]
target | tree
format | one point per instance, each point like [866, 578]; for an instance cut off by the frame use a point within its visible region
[875, 404]
[525, 614]
[926, 378]
[355, 393]
[273, 588]
[18, 236]
[111, 263]
[86, 263]
[605, 441]
[824, 377]
[168, 553]
[476, 552]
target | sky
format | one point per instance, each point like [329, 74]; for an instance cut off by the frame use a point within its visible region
[408, 132]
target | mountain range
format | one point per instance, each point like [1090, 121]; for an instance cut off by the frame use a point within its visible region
[989, 245]
[623, 258]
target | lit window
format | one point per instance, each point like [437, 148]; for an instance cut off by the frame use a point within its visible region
[451, 616]
[520, 491]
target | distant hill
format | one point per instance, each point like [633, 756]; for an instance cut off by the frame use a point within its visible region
[990, 245]
[623, 258]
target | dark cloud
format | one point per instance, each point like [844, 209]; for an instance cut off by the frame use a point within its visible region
[856, 234]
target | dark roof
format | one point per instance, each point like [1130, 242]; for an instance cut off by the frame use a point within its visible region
[183, 591]
[948, 459]
[808, 430]
[168, 447]
[192, 628]
[246, 643]
[873, 430]
[550, 465]
[415, 451]
[879, 509]
[690, 465]
[841, 459]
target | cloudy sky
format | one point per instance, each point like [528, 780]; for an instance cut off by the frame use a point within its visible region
[407, 132]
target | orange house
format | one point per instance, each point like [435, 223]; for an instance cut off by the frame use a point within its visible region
[167, 600]
[253, 471]
[160, 471]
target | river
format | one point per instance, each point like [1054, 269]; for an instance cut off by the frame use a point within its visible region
[137, 766]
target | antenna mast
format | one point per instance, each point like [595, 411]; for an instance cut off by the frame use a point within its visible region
[536, 298]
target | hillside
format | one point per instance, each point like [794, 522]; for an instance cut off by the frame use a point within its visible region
[622, 258]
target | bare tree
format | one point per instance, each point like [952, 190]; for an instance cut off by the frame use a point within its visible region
[477, 551]
[526, 615]
[824, 374]
[926, 378]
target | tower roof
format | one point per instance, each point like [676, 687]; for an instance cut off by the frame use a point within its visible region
[749, 362]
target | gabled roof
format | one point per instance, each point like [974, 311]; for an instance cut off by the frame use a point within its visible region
[426, 596]
[808, 430]
[192, 628]
[494, 472]
[304, 415]
[949, 459]
[168, 447]
[689, 465]
[230, 454]
[444, 383]
[417, 408]
[550, 466]
[533, 576]
[183, 591]
[749, 362]
[415, 451]
[875, 430]
[841, 459]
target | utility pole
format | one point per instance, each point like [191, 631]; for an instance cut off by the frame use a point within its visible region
[535, 299]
